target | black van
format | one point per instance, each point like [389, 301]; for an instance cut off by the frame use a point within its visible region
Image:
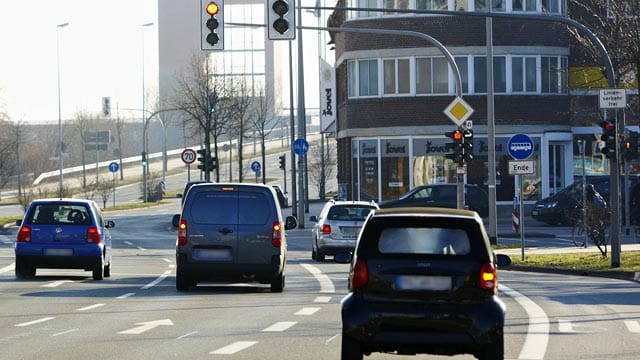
[231, 232]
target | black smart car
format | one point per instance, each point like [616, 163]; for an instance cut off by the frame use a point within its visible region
[423, 280]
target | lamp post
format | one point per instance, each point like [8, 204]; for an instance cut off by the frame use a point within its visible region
[58, 27]
[144, 108]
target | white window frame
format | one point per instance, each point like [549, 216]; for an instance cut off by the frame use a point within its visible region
[396, 91]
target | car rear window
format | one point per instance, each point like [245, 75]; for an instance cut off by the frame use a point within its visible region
[353, 213]
[421, 240]
[59, 214]
[233, 207]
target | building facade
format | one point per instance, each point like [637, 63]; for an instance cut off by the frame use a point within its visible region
[392, 90]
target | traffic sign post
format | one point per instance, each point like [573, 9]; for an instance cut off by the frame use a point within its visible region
[113, 167]
[520, 148]
[255, 166]
[300, 146]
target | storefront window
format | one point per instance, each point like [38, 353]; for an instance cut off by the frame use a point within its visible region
[395, 167]
[368, 163]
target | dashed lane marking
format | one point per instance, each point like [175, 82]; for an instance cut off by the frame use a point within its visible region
[280, 326]
[234, 348]
[38, 321]
[308, 311]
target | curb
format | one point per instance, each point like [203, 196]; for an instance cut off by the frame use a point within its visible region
[612, 274]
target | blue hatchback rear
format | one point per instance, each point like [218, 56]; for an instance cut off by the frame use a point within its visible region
[63, 234]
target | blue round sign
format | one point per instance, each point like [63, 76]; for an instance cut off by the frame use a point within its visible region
[255, 166]
[520, 146]
[113, 167]
[300, 146]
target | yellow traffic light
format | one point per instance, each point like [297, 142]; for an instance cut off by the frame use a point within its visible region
[212, 8]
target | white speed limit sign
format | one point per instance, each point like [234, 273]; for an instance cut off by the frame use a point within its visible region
[188, 156]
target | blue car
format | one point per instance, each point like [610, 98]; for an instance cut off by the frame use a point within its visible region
[63, 234]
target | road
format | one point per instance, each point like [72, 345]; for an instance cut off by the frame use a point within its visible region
[137, 313]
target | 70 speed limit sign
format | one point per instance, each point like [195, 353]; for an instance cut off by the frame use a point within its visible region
[188, 156]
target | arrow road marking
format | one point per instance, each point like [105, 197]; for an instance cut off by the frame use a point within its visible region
[234, 348]
[146, 326]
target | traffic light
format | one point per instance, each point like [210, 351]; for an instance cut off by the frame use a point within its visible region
[609, 138]
[281, 19]
[212, 25]
[212, 163]
[630, 146]
[144, 159]
[457, 146]
[467, 145]
[283, 161]
[202, 159]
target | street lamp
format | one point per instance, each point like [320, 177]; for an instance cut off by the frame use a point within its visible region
[144, 108]
[58, 27]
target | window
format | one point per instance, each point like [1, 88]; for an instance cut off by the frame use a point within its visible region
[551, 6]
[432, 4]
[417, 240]
[524, 5]
[366, 4]
[523, 74]
[499, 74]
[432, 76]
[395, 4]
[553, 74]
[463, 67]
[483, 5]
[396, 76]
[363, 77]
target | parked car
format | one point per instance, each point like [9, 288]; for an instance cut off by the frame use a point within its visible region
[282, 197]
[559, 208]
[63, 234]
[337, 227]
[231, 232]
[443, 195]
[423, 280]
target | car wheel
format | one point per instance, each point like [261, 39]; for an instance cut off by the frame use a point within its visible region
[319, 256]
[23, 270]
[314, 253]
[277, 284]
[98, 270]
[182, 281]
[351, 349]
[107, 270]
[494, 351]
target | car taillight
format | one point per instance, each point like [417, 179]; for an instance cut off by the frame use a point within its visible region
[93, 235]
[182, 233]
[24, 235]
[359, 275]
[326, 229]
[488, 278]
[276, 237]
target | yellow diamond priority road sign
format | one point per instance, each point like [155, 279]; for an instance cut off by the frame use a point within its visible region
[458, 111]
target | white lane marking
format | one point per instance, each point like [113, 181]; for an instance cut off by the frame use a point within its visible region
[141, 248]
[331, 338]
[633, 326]
[146, 326]
[326, 285]
[280, 326]
[128, 243]
[166, 260]
[234, 348]
[186, 335]
[90, 307]
[565, 326]
[8, 268]
[156, 281]
[28, 323]
[308, 311]
[53, 284]
[535, 345]
[322, 299]
[65, 332]
[125, 296]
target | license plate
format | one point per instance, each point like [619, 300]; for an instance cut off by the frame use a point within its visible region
[58, 252]
[213, 254]
[420, 282]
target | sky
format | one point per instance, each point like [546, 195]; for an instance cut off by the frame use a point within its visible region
[101, 53]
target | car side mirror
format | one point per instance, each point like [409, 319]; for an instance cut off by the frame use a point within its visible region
[313, 218]
[175, 221]
[503, 260]
[19, 222]
[290, 222]
[109, 224]
[179, 196]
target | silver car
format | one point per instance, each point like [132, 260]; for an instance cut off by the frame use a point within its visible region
[337, 227]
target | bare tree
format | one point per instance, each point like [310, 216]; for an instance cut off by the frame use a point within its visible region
[203, 98]
[617, 25]
[321, 166]
[83, 122]
[262, 114]
[240, 101]
[9, 141]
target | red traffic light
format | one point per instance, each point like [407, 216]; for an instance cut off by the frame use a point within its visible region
[607, 125]
[455, 135]
[212, 8]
